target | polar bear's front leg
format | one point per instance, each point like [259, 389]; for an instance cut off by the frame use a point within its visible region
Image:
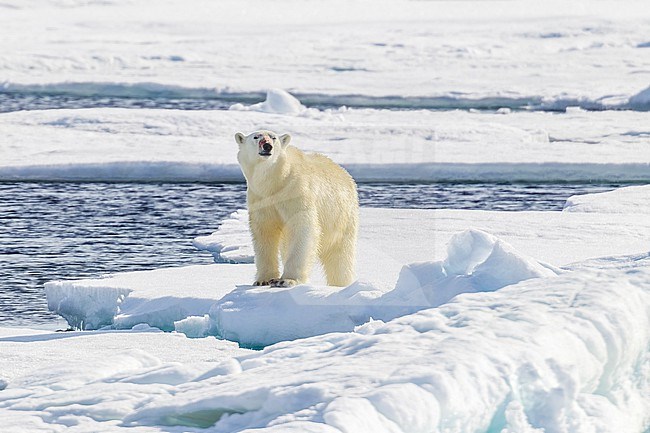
[299, 253]
[266, 242]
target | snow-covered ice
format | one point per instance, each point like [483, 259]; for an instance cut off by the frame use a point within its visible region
[566, 353]
[398, 53]
[632, 199]
[463, 54]
[231, 243]
[158, 298]
[25, 351]
[524, 346]
[560, 354]
[168, 145]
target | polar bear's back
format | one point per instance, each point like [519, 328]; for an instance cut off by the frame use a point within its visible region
[322, 171]
[333, 189]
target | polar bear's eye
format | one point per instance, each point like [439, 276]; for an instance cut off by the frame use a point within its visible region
[256, 137]
[271, 137]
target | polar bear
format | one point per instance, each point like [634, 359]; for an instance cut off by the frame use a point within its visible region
[301, 207]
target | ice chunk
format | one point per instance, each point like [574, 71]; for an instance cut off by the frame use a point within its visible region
[641, 101]
[194, 326]
[277, 101]
[84, 307]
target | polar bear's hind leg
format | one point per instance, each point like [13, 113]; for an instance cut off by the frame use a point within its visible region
[339, 262]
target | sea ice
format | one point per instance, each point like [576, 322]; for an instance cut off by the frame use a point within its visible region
[373, 145]
[533, 349]
[399, 53]
[158, 298]
[566, 353]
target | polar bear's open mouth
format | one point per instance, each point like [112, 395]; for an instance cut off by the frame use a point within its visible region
[263, 153]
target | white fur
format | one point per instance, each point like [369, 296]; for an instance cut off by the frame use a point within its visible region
[301, 207]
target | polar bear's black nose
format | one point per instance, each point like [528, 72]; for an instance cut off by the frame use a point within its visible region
[267, 147]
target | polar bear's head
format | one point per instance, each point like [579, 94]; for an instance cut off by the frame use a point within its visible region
[260, 146]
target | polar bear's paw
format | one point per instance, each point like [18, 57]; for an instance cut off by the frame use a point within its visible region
[264, 282]
[283, 282]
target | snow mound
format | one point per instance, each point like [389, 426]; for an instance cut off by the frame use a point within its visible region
[628, 200]
[231, 243]
[277, 101]
[476, 262]
[640, 101]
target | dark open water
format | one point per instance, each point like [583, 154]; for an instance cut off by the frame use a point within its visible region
[52, 231]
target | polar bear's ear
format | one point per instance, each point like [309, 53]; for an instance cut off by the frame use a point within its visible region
[240, 138]
[285, 139]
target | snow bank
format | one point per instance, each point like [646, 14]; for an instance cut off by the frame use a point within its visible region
[568, 353]
[633, 199]
[476, 262]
